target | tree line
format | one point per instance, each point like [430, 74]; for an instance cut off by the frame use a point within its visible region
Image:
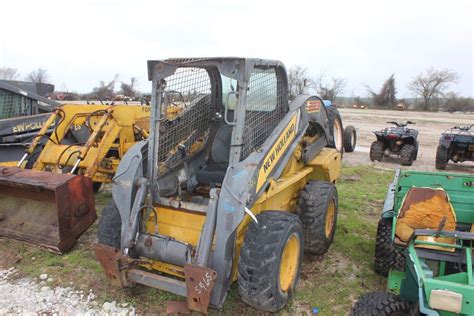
[105, 90]
[430, 90]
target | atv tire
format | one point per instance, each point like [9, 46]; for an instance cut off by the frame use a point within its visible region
[268, 270]
[407, 154]
[381, 304]
[376, 151]
[417, 146]
[336, 129]
[442, 158]
[110, 226]
[317, 208]
[350, 138]
[387, 256]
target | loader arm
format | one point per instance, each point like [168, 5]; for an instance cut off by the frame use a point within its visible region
[48, 207]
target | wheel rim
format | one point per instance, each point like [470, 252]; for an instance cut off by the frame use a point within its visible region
[337, 132]
[289, 262]
[330, 215]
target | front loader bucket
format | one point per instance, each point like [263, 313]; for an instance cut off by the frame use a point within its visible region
[45, 208]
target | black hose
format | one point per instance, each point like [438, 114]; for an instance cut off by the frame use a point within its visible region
[89, 117]
[68, 158]
[59, 123]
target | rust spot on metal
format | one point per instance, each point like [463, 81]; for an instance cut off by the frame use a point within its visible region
[199, 284]
[109, 258]
[43, 208]
[148, 241]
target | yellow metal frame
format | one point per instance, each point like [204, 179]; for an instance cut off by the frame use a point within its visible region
[113, 127]
[281, 195]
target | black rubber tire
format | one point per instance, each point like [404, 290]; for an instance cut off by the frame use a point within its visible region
[381, 304]
[376, 151]
[442, 157]
[96, 186]
[260, 256]
[350, 138]
[387, 256]
[312, 209]
[335, 118]
[407, 154]
[110, 226]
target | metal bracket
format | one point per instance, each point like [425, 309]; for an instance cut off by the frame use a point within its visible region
[199, 284]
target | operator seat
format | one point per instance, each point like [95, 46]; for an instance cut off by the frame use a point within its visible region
[214, 172]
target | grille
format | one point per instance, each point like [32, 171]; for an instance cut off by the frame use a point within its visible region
[12, 105]
[266, 106]
[181, 61]
[189, 89]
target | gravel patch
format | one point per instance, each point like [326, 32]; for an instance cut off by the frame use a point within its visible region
[25, 296]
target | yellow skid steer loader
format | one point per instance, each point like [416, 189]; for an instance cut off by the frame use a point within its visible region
[50, 202]
[233, 189]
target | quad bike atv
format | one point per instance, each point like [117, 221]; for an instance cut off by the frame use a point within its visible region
[234, 189]
[424, 244]
[53, 203]
[456, 144]
[399, 140]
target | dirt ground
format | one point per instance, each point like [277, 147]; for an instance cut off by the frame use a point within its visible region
[430, 126]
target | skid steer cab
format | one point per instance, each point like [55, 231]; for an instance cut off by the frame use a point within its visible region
[232, 189]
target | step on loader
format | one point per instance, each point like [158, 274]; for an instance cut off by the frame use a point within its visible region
[233, 189]
[48, 199]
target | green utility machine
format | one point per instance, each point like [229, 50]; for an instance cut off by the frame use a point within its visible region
[424, 244]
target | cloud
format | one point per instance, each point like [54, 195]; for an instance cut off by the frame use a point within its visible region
[84, 42]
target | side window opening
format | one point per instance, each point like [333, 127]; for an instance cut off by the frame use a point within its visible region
[229, 89]
[13, 105]
[266, 106]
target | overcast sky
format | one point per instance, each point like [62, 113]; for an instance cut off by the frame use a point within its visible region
[83, 42]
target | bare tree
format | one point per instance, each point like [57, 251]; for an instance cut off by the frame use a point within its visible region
[296, 80]
[431, 85]
[7, 73]
[387, 94]
[38, 76]
[105, 90]
[455, 103]
[332, 89]
[129, 89]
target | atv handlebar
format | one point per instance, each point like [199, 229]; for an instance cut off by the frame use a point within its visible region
[464, 128]
[401, 124]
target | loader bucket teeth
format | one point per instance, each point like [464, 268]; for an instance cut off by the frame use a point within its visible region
[43, 208]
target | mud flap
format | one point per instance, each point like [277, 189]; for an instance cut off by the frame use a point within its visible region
[43, 208]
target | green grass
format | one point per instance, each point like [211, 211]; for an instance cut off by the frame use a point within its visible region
[330, 282]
